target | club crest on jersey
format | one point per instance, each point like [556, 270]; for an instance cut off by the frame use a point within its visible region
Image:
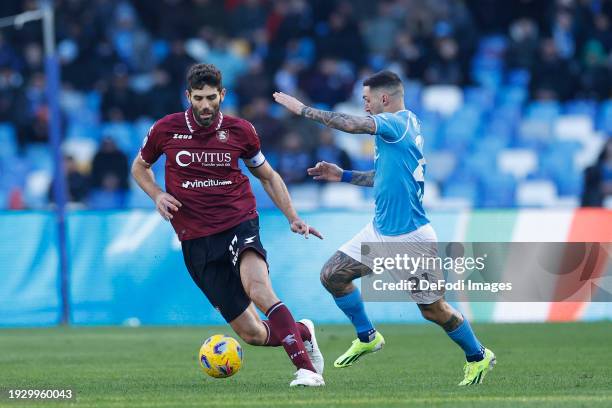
[222, 135]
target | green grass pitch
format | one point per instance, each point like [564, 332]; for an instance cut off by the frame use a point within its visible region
[543, 365]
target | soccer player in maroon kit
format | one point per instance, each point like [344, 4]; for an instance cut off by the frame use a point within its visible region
[211, 206]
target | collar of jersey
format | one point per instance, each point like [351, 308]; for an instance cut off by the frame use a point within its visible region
[194, 126]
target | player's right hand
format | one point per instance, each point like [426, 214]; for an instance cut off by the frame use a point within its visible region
[325, 171]
[166, 205]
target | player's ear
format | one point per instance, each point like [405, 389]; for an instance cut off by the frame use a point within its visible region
[384, 99]
[222, 94]
[187, 94]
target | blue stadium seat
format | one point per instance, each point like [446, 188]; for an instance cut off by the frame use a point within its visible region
[534, 132]
[604, 117]
[106, 200]
[160, 49]
[121, 133]
[479, 96]
[548, 110]
[581, 107]
[497, 190]
[467, 191]
[86, 130]
[518, 77]
[13, 173]
[137, 198]
[512, 95]
[8, 142]
[39, 157]
[140, 130]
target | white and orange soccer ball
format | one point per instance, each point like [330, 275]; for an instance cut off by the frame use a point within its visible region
[220, 356]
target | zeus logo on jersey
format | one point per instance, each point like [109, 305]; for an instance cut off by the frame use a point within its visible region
[208, 159]
[177, 136]
[205, 183]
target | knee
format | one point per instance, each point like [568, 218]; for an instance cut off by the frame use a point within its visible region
[262, 295]
[332, 280]
[434, 313]
[429, 314]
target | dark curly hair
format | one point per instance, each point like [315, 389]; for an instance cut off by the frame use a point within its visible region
[200, 75]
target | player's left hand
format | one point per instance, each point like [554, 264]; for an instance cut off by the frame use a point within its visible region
[289, 102]
[300, 227]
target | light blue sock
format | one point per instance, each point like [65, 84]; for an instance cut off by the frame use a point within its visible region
[466, 339]
[353, 308]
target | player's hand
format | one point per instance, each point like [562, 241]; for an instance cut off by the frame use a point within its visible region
[300, 227]
[166, 205]
[325, 171]
[289, 102]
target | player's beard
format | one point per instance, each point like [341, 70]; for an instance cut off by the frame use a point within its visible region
[197, 115]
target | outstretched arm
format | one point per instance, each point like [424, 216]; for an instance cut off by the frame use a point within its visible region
[332, 172]
[277, 190]
[335, 120]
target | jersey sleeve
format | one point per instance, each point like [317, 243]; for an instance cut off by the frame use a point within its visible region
[390, 127]
[151, 145]
[252, 155]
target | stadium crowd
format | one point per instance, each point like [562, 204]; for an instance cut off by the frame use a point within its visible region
[518, 67]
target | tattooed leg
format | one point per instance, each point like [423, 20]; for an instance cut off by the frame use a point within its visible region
[339, 271]
[443, 314]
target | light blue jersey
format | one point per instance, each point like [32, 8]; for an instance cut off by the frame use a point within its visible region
[399, 181]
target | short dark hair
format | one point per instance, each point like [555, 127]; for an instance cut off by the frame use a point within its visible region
[383, 79]
[200, 75]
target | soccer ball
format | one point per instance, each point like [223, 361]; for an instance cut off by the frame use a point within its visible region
[220, 356]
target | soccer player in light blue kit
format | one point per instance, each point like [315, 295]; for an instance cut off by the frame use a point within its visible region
[398, 180]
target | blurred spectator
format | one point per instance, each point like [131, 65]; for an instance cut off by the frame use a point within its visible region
[253, 84]
[109, 170]
[381, 28]
[249, 16]
[163, 98]
[229, 56]
[119, 102]
[445, 68]
[13, 104]
[209, 13]
[410, 54]
[596, 77]
[563, 34]
[523, 46]
[330, 83]
[132, 43]
[552, 78]
[602, 31]
[293, 160]
[35, 129]
[329, 152]
[77, 184]
[598, 178]
[340, 38]
[177, 62]
[269, 129]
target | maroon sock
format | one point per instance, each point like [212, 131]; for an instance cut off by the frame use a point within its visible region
[273, 340]
[282, 326]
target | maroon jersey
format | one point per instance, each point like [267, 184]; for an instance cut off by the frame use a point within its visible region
[202, 170]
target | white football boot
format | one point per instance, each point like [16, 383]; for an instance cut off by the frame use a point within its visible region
[312, 348]
[307, 378]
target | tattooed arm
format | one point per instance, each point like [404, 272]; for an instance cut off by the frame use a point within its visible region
[341, 121]
[363, 178]
[335, 120]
